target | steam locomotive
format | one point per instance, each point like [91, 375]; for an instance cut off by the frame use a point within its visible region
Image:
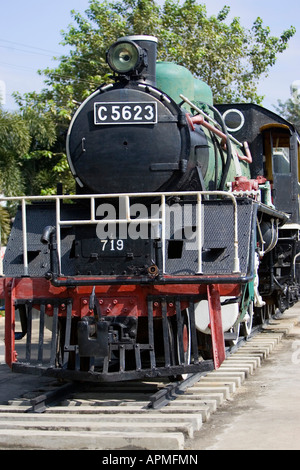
[183, 232]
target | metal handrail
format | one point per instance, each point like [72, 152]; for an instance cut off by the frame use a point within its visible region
[127, 196]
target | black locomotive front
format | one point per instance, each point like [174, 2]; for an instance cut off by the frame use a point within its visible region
[130, 136]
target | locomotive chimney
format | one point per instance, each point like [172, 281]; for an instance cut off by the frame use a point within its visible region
[149, 43]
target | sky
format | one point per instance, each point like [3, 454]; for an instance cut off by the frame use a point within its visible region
[30, 36]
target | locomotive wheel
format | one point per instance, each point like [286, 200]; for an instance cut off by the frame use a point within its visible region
[172, 342]
[183, 343]
[262, 314]
[180, 343]
[60, 343]
[246, 325]
[236, 329]
[184, 353]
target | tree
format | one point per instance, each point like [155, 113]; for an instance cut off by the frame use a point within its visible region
[14, 142]
[229, 57]
[44, 164]
[290, 110]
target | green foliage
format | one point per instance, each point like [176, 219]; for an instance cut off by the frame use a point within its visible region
[290, 111]
[4, 225]
[14, 142]
[45, 163]
[229, 57]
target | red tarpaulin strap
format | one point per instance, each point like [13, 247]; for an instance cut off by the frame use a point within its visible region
[217, 333]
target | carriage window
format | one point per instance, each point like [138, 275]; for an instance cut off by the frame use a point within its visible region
[281, 160]
[276, 141]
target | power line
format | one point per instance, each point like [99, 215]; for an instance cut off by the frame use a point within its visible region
[53, 74]
[29, 47]
[30, 69]
[82, 59]
[18, 66]
[27, 52]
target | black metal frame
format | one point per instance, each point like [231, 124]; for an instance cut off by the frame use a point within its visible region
[152, 367]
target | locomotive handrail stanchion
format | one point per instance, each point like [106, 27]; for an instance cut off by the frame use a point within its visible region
[58, 241]
[163, 230]
[199, 232]
[236, 266]
[93, 209]
[127, 208]
[24, 236]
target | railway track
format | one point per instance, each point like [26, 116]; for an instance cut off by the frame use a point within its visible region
[141, 415]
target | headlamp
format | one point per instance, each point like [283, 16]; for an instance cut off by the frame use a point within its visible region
[125, 57]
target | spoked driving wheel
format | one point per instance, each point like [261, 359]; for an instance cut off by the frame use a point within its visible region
[184, 339]
[180, 342]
